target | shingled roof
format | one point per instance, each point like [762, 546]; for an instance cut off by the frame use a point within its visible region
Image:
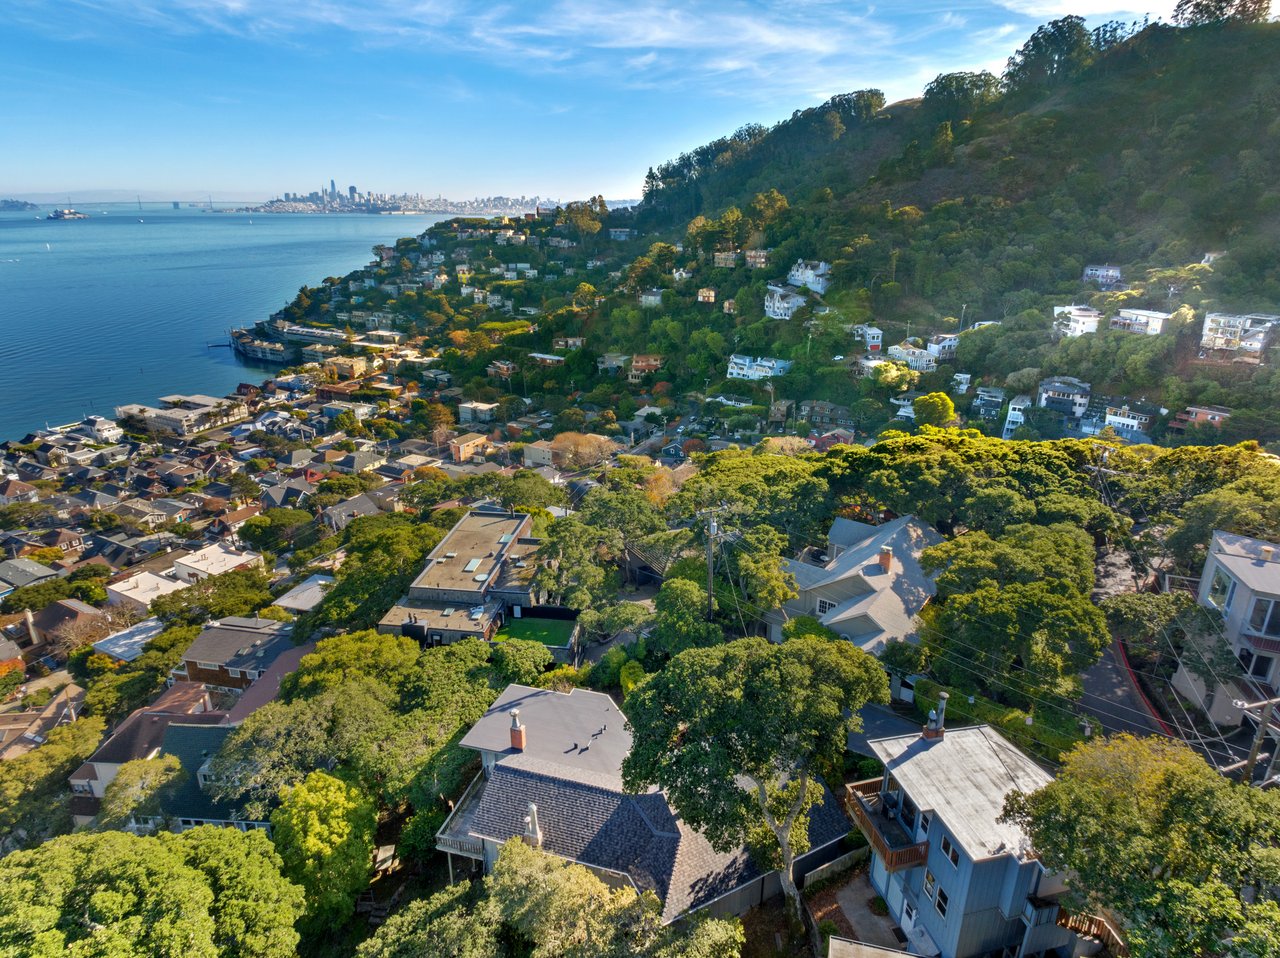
[571, 769]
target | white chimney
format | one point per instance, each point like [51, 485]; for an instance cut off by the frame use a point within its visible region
[532, 830]
[937, 718]
[1268, 552]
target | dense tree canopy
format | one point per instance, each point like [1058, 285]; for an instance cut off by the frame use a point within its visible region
[778, 714]
[1150, 832]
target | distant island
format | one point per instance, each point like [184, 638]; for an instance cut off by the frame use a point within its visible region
[16, 206]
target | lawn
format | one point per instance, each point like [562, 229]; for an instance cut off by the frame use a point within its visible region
[554, 632]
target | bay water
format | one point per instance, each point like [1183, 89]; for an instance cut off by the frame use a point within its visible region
[133, 304]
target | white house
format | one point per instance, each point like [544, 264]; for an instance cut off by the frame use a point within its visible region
[651, 298]
[1241, 581]
[1102, 275]
[213, 560]
[942, 346]
[757, 368]
[1076, 320]
[1235, 333]
[781, 302]
[1017, 414]
[1145, 322]
[815, 275]
[1134, 417]
[916, 358]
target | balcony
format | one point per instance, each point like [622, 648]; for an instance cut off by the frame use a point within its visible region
[1097, 928]
[866, 805]
[455, 836]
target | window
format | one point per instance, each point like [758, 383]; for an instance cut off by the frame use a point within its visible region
[907, 814]
[234, 673]
[929, 884]
[825, 606]
[1257, 666]
[208, 666]
[926, 818]
[950, 851]
[1265, 619]
[941, 902]
[908, 913]
[1221, 590]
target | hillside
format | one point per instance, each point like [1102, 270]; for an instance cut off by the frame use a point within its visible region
[985, 198]
[1162, 147]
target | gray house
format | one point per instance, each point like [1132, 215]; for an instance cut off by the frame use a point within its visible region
[552, 777]
[959, 881]
[868, 587]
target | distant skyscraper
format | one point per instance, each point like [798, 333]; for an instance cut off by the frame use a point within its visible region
[333, 188]
[351, 192]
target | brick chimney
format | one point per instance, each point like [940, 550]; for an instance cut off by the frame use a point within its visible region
[886, 558]
[936, 727]
[532, 830]
[517, 731]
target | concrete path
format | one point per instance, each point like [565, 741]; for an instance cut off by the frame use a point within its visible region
[868, 928]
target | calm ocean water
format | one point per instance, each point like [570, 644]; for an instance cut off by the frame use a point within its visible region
[108, 310]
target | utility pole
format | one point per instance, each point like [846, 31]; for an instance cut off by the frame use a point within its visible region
[1255, 749]
[713, 530]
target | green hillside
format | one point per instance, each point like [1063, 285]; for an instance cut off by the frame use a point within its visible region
[985, 199]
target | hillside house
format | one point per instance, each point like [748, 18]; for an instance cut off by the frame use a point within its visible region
[867, 587]
[551, 776]
[475, 411]
[1233, 333]
[872, 336]
[1199, 415]
[915, 357]
[1017, 414]
[1143, 322]
[757, 258]
[959, 881]
[813, 275]
[1071, 321]
[724, 259]
[643, 365]
[1105, 277]
[481, 572]
[651, 298]
[942, 346]
[706, 295]
[1241, 581]
[1064, 394]
[755, 369]
[1133, 417]
[781, 302]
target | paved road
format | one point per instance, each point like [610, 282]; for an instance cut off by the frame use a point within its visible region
[1110, 695]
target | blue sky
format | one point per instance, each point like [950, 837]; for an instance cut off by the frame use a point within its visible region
[561, 98]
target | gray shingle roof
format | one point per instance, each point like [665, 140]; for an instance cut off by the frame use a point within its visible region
[574, 777]
[194, 745]
[241, 643]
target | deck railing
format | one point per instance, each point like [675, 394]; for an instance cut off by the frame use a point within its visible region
[1095, 926]
[863, 801]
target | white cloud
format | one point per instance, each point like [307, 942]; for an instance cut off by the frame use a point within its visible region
[1120, 9]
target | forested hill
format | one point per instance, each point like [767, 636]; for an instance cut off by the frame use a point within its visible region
[1145, 148]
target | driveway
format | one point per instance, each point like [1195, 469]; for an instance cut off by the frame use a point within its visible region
[1109, 694]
